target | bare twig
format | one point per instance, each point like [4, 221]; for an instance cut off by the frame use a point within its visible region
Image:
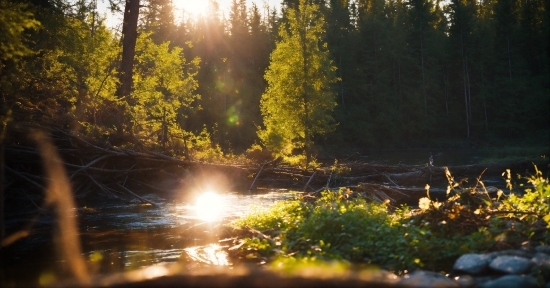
[137, 196]
[89, 165]
[256, 178]
[309, 181]
[389, 179]
[24, 177]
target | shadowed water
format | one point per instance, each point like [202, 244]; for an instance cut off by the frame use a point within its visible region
[118, 237]
[124, 237]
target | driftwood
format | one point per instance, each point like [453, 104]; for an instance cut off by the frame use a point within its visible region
[98, 172]
[101, 172]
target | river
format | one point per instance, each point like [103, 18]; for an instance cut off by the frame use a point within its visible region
[119, 236]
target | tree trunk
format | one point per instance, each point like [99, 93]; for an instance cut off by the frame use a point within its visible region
[509, 57]
[129, 38]
[342, 83]
[466, 93]
[423, 73]
[2, 229]
[306, 103]
[164, 129]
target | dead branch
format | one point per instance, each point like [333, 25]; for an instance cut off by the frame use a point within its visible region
[137, 196]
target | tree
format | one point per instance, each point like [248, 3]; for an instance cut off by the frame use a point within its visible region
[129, 38]
[165, 83]
[421, 22]
[462, 23]
[15, 19]
[298, 101]
[159, 19]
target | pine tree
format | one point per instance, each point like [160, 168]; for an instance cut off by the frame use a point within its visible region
[298, 102]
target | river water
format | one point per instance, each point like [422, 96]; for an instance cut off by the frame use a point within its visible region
[123, 237]
[118, 237]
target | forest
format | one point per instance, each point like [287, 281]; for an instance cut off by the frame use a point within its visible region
[137, 119]
[372, 74]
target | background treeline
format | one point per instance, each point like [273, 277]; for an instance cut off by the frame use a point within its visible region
[412, 73]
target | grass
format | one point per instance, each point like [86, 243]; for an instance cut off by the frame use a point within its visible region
[335, 228]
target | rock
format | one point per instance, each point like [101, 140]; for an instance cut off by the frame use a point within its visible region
[541, 260]
[422, 278]
[512, 281]
[519, 253]
[511, 264]
[473, 264]
[465, 281]
[543, 249]
[481, 280]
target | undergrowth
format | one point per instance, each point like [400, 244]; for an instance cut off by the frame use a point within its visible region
[431, 237]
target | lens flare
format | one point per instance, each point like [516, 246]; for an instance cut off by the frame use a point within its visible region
[209, 206]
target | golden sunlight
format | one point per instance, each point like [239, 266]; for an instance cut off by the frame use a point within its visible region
[210, 254]
[192, 7]
[209, 206]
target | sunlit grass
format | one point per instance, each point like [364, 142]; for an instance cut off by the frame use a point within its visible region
[334, 228]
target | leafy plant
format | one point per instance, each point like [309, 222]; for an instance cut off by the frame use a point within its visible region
[298, 101]
[334, 227]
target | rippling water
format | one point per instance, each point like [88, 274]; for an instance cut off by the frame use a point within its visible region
[124, 237]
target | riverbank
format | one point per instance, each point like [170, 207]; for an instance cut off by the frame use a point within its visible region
[343, 225]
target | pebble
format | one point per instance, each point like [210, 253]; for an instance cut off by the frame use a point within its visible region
[473, 264]
[502, 269]
[511, 264]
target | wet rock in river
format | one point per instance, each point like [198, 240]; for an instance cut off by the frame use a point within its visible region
[511, 264]
[427, 279]
[473, 264]
[512, 281]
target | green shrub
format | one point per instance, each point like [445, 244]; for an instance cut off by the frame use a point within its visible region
[334, 227]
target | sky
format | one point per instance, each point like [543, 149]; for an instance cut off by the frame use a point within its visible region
[193, 7]
[199, 6]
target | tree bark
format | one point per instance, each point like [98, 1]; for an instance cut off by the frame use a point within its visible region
[466, 87]
[303, 39]
[423, 72]
[129, 38]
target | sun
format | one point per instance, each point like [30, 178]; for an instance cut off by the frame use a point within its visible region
[209, 206]
[192, 7]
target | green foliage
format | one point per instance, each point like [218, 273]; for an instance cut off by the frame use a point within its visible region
[357, 231]
[411, 72]
[337, 228]
[15, 21]
[164, 84]
[298, 101]
[71, 82]
[201, 147]
[530, 212]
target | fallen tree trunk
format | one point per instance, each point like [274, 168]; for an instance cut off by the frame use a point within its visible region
[102, 172]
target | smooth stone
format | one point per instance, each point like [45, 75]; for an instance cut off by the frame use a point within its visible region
[543, 249]
[511, 264]
[422, 278]
[512, 281]
[465, 281]
[473, 264]
[519, 253]
[480, 280]
[541, 260]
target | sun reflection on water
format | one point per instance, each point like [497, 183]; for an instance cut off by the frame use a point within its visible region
[209, 207]
[210, 254]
